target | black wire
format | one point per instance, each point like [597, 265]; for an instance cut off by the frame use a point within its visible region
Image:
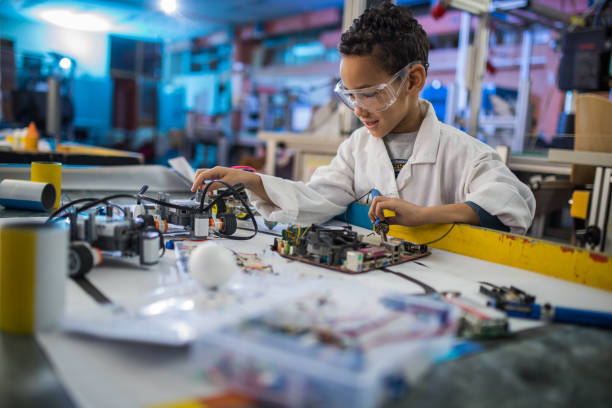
[204, 195]
[428, 289]
[488, 284]
[438, 239]
[68, 205]
[359, 199]
[104, 200]
[91, 289]
[233, 190]
[236, 193]
[94, 202]
[142, 190]
[354, 201]
[166, 204]
[113, 205]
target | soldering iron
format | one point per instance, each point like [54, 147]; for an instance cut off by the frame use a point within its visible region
[381, 227]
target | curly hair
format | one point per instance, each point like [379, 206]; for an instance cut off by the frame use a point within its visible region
[388, 32]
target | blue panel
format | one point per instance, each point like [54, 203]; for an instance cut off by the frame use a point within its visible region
[171, 107]
[92, 104]
[25, 204]
[437, 97]
[356, 214]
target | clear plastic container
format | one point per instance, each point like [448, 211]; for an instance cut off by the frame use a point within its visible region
[361, 349]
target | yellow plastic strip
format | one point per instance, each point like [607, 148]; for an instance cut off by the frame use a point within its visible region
[549, 258]
[17, 249]
[181, 404]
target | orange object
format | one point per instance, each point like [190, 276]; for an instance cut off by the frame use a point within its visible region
[161, 225]
[31, 137]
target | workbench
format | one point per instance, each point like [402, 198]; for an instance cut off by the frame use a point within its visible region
[541, 365]
[76, 155]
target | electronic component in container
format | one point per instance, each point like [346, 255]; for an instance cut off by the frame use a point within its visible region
[477, 320]
[352, 346]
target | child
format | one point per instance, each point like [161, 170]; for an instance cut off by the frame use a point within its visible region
[427, 172]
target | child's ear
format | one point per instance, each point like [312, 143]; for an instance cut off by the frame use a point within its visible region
[416, 79]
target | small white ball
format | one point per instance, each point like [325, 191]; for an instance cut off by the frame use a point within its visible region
[211, 265]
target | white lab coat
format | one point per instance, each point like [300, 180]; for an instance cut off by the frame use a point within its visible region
[447, 166]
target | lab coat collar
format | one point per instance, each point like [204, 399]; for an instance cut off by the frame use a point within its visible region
[428, 137]
[425, 151]
[384, 170]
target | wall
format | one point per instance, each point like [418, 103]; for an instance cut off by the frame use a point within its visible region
[545, 96]
[92, 83]
[202, 92]
[90, 50]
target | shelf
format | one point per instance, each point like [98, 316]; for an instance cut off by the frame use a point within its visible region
[315, 69]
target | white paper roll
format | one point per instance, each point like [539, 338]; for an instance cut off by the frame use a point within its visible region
[28, 195]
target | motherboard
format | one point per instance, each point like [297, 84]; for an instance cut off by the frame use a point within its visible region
[345, 250]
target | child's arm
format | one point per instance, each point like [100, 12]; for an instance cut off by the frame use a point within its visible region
[283, 200]
[410, 214]
[327, 194]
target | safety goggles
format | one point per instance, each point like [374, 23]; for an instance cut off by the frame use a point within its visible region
[375, 98]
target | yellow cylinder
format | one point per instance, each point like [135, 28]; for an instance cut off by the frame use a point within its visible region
[33, 273]
[49, 172]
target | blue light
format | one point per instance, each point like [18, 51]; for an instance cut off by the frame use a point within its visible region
[65, 63]
[168, 6]
[308, 50]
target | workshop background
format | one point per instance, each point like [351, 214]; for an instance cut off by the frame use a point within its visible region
[251, 83]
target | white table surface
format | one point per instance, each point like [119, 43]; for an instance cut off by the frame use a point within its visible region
[101, 373]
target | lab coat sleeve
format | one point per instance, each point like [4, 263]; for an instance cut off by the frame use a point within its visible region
[489, 183]
[327, 194]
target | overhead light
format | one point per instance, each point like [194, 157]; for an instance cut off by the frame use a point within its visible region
[74, 20]
[168, 6]
[65, 63]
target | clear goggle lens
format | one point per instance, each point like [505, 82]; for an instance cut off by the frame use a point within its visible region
[376, 98]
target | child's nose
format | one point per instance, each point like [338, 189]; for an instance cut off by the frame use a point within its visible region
[359, 111]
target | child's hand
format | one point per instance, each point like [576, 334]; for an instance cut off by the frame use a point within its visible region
[252, 181]
[405, 213]
[230, 176]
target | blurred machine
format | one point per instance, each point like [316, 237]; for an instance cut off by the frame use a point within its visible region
[43, 93]
[586, 64]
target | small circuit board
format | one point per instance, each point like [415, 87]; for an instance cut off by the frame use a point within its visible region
[344, 250]
[478, 321]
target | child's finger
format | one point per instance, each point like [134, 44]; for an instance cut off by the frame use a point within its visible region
[205, 174]
[372, 212]
[380, 204]
[391, 220]
[213, 186]
[200, 171]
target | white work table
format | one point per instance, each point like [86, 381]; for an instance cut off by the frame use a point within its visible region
[101, 373]
[104, 373]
